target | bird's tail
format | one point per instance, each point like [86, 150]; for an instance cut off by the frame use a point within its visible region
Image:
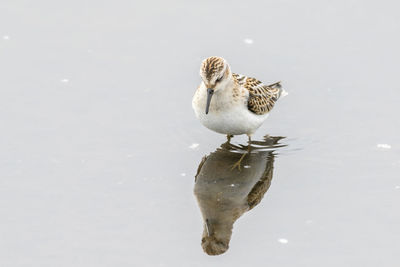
[278, 85]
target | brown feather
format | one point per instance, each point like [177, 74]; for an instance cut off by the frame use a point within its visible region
[262, 97]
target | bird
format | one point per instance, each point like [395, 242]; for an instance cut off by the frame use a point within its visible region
[224, 196]
[230, 103]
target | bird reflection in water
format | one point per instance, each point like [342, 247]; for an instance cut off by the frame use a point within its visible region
[224, 194]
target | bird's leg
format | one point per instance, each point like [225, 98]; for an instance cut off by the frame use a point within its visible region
[239, 162]
[229, 136]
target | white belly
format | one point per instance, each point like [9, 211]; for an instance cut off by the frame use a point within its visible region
[227, 114]
[234, 120]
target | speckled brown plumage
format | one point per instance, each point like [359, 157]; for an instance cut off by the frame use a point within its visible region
[262, 97]
[212, 65]
[261, 187]
[229, 103]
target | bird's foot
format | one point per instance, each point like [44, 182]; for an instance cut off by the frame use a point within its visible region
[249, 141]
[239, 162]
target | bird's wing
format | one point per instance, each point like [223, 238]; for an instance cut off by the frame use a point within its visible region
[199, 168]
[261, 187]
[262, 97]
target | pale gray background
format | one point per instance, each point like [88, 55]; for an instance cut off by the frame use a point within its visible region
[96, 167]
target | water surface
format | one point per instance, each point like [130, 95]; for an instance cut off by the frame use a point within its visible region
[100, 146]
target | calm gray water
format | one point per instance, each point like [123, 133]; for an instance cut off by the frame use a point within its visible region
[100, 146]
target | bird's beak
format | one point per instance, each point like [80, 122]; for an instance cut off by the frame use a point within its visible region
[208, 228]
[210, 93]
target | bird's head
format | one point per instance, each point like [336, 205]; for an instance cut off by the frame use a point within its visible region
[215, 73]
[216, 236]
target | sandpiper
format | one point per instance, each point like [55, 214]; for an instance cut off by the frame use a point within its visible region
[230, 103]
[223, 196]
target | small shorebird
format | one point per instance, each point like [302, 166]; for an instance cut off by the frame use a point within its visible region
[224, 196]
[230, 103]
